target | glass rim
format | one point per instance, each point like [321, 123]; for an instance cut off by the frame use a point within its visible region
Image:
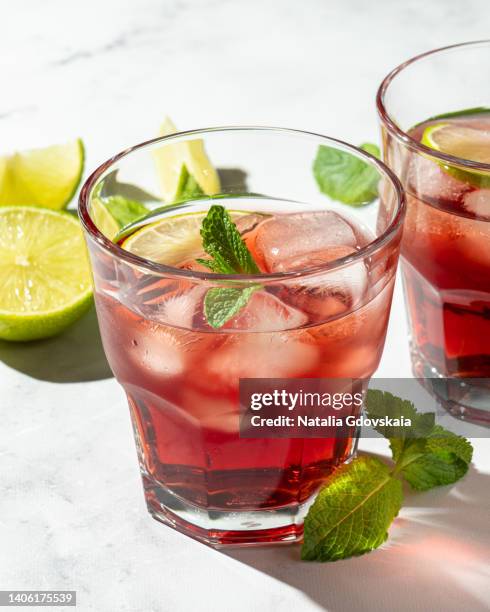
[391, 125]
[164, 270]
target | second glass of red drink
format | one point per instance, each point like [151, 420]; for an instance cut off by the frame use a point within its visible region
[435, 119]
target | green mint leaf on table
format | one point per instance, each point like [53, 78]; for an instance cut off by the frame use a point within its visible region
[441, 458]
[380, 404]
[351, 515]
[229, 255]
[123, 210]
[426, 455]
[346, 178]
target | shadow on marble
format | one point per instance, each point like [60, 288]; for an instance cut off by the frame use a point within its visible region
[74, 356]
[434, 559]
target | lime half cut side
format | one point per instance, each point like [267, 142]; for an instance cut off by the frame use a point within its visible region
[46, 177]
[465, 143]
[45, 282]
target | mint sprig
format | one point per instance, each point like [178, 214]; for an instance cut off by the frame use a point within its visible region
[352, 514]
[229, 255]
[345, 177]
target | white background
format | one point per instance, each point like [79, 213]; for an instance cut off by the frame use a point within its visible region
[72, 514]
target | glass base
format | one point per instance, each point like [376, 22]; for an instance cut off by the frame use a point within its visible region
[220, 528]
[464, 398]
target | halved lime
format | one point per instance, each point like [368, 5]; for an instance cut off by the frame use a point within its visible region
[45, 282]
[176, 162]
[464, 142]
[172, 240]
[45, 177]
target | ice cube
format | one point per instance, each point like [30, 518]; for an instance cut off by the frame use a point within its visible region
[429, 181]
[262, 354]
[478, 203]
[178, 309]
[265, 312]
[288, 237]
[159, 350]
[330, 293]
[210, 411]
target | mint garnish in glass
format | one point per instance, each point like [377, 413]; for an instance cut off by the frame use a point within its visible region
[228, 255]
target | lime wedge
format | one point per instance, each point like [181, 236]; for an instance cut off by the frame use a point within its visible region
[103, 219]
[172, 240]
[45, 282]
[176, 162]
[463, 142]
[115, 212]
[42, 177]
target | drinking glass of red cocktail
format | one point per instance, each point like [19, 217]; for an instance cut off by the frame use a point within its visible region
[435, 118]
[319, 308]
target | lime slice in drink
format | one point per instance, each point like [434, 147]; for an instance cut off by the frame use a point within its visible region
[463, 142]
[42, 177]
[45, 282]
[172, 240]
[180, 162]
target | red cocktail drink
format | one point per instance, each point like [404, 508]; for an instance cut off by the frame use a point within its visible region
[444, 165]
[320, 311]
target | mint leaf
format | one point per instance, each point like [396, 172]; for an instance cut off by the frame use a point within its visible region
[222, 241]
[426, 455]
[441, 458]
[346, 178]
[380, 404]
[351, 515]
[123, 210]
[188, 188]
[229, 255]
[223, 303]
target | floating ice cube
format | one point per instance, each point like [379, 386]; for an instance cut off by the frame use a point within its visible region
[288, 237]
[268, 355]
[210, 411]
[330, 293]
[478, 203]
[429, 181]
[265, 312]
[178, 309]
[159, 350]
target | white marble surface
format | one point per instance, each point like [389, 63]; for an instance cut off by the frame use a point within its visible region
[72, 514]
